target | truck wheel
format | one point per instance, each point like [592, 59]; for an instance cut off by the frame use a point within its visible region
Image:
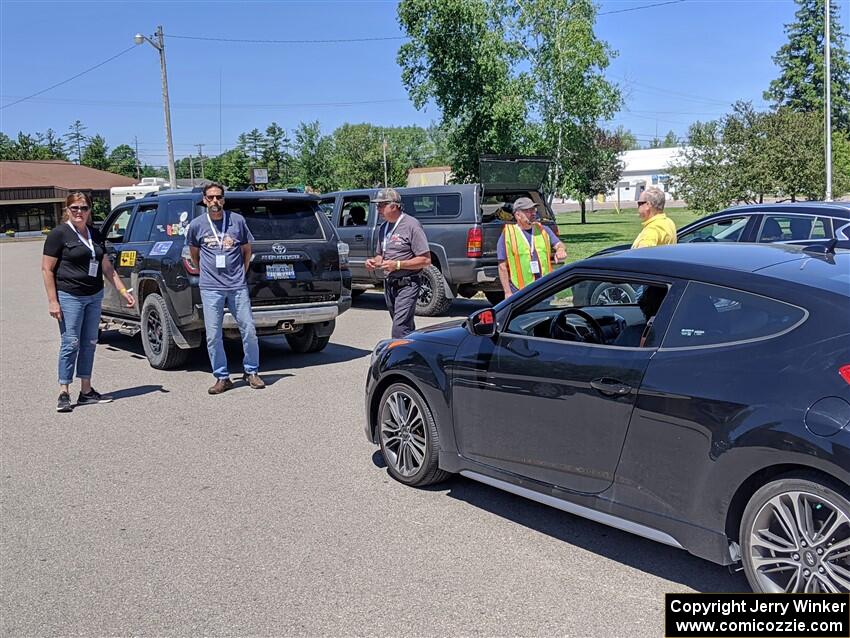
[307, 340]
[494, 296]
[432, 295]
[162, 351]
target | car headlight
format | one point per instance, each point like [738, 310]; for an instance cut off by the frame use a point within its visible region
[385, 344]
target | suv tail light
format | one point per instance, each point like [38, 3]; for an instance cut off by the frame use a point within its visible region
[474, 242]
[844, 371]
[343, 250]
[186, 256]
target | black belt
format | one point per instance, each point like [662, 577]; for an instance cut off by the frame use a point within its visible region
[404, 280]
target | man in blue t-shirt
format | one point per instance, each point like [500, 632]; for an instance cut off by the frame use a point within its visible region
[221, 243]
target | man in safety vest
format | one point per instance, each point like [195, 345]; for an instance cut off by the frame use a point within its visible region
[525, 248]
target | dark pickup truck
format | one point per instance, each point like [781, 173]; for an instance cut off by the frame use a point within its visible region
[463, 223]
[298, 279]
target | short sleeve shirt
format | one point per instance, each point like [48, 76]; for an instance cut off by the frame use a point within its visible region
[658, 230]
[72, 269]
[404, 240]
[227, 241]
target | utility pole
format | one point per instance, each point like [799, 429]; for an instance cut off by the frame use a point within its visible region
[192, 170]
[159, 45]
[385, 162]
[828, 104]
[138, 166]
[201, 158]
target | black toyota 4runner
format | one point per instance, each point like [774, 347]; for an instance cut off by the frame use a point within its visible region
[298, 279]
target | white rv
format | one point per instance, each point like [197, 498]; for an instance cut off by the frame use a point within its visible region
[120, 194]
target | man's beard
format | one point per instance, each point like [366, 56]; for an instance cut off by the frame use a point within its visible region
[214, 208]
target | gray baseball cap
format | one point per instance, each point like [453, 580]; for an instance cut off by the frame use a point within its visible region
[386, 195]
[524, 203]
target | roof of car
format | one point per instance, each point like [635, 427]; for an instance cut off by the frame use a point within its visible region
[411, 190]
[233, 195]
[831, 209]
[690, 261]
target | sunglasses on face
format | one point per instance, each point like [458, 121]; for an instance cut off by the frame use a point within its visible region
[212, 197]
[641, 202]
[79, 209]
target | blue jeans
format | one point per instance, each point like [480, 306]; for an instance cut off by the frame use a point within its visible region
[78, 327]
[239, 304]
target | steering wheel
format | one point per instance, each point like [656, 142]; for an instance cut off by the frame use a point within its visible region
[562, 329]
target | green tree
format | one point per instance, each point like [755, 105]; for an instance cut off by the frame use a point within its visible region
[55, 146]
[800, 85]
[122, 160]
[670, 140]
[7, 147]
[312, 155]
[29, 147]
[252, 144]
[745, 141]
[77, 140]
[627, 138]
[275, 154]
[234, 166]
[570, 93]
[701, 177]
[595, 165]
[457, 57]
[357, 160]
[95, 154]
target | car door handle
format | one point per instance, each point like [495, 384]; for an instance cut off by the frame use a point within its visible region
[359, 238]
[610, 387]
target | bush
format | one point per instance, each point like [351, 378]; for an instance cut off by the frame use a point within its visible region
[10, 233]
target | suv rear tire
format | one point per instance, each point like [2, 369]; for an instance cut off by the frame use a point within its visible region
[432, 295]
[162, 351]
[307, 340]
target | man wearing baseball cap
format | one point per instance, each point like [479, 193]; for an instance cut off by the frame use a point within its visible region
[525, 249]
[402, 253]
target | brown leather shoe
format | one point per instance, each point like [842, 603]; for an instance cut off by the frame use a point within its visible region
[254, 380]
[221, 385]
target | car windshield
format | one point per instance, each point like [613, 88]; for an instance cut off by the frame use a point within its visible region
[279, 219]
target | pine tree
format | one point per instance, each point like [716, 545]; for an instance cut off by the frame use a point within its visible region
[77, 139]
[95, 154]
[800, 85]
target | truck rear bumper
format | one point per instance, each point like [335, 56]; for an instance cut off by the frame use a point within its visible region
[295, 314]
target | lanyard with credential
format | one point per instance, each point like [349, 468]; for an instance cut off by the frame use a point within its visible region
[90, 245]
[389, 233]
[219, 240]
[530, 243]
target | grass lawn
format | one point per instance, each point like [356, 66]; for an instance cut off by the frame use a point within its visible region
[607, 228]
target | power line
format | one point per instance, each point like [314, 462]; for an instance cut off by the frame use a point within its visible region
[202, 105]
[646, 6]
[73, 77]
[253, 41]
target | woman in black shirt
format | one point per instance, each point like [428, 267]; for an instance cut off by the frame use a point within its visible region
[73, 266]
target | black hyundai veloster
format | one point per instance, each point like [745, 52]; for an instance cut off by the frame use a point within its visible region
[712, 414]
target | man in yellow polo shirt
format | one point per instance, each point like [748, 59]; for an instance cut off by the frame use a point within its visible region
[658, 229]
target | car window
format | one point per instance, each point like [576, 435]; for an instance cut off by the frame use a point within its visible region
[354, 211]
[172, 220]
[791, 227]
[118, 225]
[569, 314]
[713, 315]
[327, 206]
[446, 205]
[280, 220]
[142, 224]
[500, 205]
[723, 230]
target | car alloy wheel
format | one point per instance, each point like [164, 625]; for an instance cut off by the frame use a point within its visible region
[799, 541]
[154, 331]
[403, 433]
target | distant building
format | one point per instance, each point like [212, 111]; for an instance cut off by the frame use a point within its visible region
[429, 176]
[642, 168]
[32, 193]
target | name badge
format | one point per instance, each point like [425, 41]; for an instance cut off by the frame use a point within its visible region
[92, 268]
[221, 261]
[535, 268]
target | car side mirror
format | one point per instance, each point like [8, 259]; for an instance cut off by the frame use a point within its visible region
[482, 323]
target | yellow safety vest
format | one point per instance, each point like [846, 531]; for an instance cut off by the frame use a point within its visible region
[519, 255]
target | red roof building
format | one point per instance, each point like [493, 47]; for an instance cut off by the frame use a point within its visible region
[32, 193]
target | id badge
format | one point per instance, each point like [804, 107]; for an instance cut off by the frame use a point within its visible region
[221, 261]
[535, 268]
[92, 268]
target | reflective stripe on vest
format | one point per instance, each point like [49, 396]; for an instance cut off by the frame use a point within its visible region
[519, 255]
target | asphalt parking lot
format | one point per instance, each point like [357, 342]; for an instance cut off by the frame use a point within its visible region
[267, 512]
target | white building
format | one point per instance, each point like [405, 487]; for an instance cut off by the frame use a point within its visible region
[643, 168]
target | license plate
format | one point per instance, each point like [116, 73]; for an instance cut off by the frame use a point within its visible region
[280, 271]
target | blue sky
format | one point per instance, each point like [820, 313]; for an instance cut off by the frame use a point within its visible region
[676, 63]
